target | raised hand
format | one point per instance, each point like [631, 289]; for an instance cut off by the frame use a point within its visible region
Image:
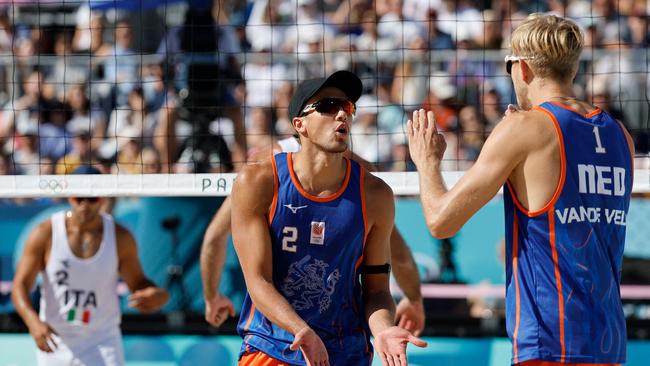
[312, 347]
[148, 299]
[410, 316]
[391, 343]
[217, 310]
[44, 336]
[426, 145]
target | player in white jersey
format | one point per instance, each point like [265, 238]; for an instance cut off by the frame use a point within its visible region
[409, 312]
[80, 253]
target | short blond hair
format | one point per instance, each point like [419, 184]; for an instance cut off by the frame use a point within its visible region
[552, 44]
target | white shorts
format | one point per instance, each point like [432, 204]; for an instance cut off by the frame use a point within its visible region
[107, 352]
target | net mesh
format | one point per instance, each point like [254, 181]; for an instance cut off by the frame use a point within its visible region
[193, 88]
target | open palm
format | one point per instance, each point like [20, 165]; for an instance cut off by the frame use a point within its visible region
[391, 343]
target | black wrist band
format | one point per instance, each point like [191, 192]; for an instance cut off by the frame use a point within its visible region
[376, 269]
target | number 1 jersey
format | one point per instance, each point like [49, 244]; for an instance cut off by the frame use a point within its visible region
[564, 261]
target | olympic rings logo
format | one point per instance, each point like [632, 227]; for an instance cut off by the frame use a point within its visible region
[54, 185]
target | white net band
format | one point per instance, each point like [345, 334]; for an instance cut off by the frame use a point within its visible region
[178, 185]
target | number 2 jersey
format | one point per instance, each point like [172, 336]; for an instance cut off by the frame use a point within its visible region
[564, 261]
[79, 295]
[317, 251]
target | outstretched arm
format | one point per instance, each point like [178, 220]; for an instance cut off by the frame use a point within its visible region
[410, 310]
[390, 340]
[213, 257]
[252, 195]
[145, 295]
[409, 313]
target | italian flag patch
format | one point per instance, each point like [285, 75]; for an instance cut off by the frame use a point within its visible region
[78, 316]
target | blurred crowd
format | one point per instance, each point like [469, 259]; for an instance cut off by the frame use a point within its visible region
[150, 92]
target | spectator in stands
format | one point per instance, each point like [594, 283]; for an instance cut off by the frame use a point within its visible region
[25, 109]
[620, 68]
[639, 31]
[53, 132]
[263, 78]
[84, 112]
[281, 99]
[129, 156]
[133, 116]
[369, 39]
[259, 130]
[401, 159]
[26, 156]
[367, 140]
[438, 40]
[150, 161]
[395, 26]
[81, 153]
[65, 72]
[491, 37]
[89, 32]
[5, 164]
[24, 48]
[310, 35]
[411, 76]
[266, 28]
[490, 107]
[349, 16]
[441, 99]
[121, 67]
[154, 88]
[472, 132]
[165, 136]
[598, 95]
[451, 13]
[80, 254]
[6, 31]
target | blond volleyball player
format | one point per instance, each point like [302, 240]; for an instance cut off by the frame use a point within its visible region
[80, 253]
[555, 159]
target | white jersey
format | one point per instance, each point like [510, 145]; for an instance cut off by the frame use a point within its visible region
[79, 295]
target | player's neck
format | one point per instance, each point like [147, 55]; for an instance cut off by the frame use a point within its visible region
[319, 172]
[548, 90]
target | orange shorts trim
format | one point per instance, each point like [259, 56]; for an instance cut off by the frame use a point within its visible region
[259, 359]
[548, 363]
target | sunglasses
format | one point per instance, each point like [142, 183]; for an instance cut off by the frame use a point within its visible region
[87, 199]
[510, 59]
[330, 106]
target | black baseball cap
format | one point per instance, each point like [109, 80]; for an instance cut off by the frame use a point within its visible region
[346, 81]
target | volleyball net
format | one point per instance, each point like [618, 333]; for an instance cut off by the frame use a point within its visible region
[188, 88]
[171, 98]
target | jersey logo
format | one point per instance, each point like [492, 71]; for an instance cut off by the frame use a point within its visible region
[317, 233]
[294, 209]
[309, 285]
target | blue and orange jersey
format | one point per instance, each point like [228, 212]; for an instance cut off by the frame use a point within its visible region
[318, 245]
[564, 261]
